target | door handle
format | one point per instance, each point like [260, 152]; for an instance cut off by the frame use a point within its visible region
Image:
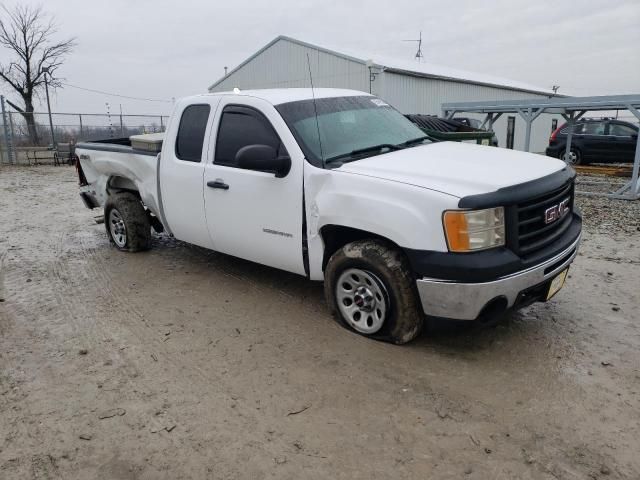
[218, 184]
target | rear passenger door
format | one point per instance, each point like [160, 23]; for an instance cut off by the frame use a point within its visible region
[595, 143]
[182, 168]
[623, 142]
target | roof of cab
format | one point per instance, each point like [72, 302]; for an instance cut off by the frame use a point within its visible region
[277, 96]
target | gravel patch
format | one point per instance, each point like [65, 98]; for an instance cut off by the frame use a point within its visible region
[606, 215]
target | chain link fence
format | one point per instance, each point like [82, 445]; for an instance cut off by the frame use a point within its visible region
[20, 143]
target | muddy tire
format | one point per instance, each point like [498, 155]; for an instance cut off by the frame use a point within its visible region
[370, 290]
[127, 222]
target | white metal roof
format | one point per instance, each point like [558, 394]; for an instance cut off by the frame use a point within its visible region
[439, 71]
[550, 105]
[407, 67]
[276, 96]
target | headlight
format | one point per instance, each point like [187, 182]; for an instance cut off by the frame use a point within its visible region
[471, 230]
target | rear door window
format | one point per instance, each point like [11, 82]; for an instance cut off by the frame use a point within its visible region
[577, 129]
[621, 130]
[190, 139]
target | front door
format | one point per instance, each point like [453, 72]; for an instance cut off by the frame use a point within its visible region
[252, 214]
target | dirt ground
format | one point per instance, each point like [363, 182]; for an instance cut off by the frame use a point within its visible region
[182, 363]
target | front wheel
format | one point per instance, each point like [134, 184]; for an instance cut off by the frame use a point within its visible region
[370, 290]
[127, 222]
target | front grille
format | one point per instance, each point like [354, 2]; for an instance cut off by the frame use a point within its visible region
[533, 233]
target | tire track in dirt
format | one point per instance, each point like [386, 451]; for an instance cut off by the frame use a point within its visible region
[126, 319]
[79, 284]
[20, 325]
[49, 306]
[223, 266]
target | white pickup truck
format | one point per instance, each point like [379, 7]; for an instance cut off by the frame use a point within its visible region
[337, 185]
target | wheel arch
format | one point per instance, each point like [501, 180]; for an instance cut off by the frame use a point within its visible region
[334, 237]
[118, 183]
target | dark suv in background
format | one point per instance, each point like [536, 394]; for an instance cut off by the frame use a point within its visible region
[602, 140]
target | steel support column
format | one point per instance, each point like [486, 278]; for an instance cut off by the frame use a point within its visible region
[635, 182]
[571, 120]
[631, 190]
[529, 116]
[490, 119]
[448, 114]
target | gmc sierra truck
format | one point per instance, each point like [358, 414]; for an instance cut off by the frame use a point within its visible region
[337, 185]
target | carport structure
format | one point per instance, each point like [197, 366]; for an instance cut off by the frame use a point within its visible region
[571, 109]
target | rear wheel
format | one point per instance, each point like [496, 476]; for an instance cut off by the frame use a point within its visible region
[370, 290]
[574, 158]
[127, 222]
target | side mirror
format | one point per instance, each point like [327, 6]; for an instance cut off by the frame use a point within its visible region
[263, 158]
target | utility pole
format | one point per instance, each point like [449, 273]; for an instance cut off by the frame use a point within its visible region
[7, 138]
[121, 124]
[109, 119]
[46, 89]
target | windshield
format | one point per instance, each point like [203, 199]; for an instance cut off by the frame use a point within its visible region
[350, 128]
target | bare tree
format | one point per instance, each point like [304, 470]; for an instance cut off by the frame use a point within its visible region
[29, 34]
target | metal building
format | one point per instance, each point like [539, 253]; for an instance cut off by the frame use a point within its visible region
[410, 86]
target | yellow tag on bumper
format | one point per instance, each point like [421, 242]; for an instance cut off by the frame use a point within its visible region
[557, 283]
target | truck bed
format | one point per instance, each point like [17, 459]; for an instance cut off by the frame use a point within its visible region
[116, 164]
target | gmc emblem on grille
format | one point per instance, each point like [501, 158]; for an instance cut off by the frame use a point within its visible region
[556, 212]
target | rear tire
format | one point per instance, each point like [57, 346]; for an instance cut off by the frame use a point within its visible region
[370, 290]
[127, 222]
[575, 156]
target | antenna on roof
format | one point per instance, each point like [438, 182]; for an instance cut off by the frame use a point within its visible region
[418, 55]
[315, 110]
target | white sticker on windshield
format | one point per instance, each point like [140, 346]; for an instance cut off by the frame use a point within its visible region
[379, 103]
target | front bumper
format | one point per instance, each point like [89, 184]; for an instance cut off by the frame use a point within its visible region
[466, 301]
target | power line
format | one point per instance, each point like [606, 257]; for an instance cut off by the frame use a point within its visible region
[115, 94]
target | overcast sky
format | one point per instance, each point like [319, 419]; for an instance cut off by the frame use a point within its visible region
[163, 49]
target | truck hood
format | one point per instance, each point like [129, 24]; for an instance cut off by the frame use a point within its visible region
[458, 169]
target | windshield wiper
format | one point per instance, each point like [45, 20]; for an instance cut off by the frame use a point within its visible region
[413, 141]
[359, 151]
